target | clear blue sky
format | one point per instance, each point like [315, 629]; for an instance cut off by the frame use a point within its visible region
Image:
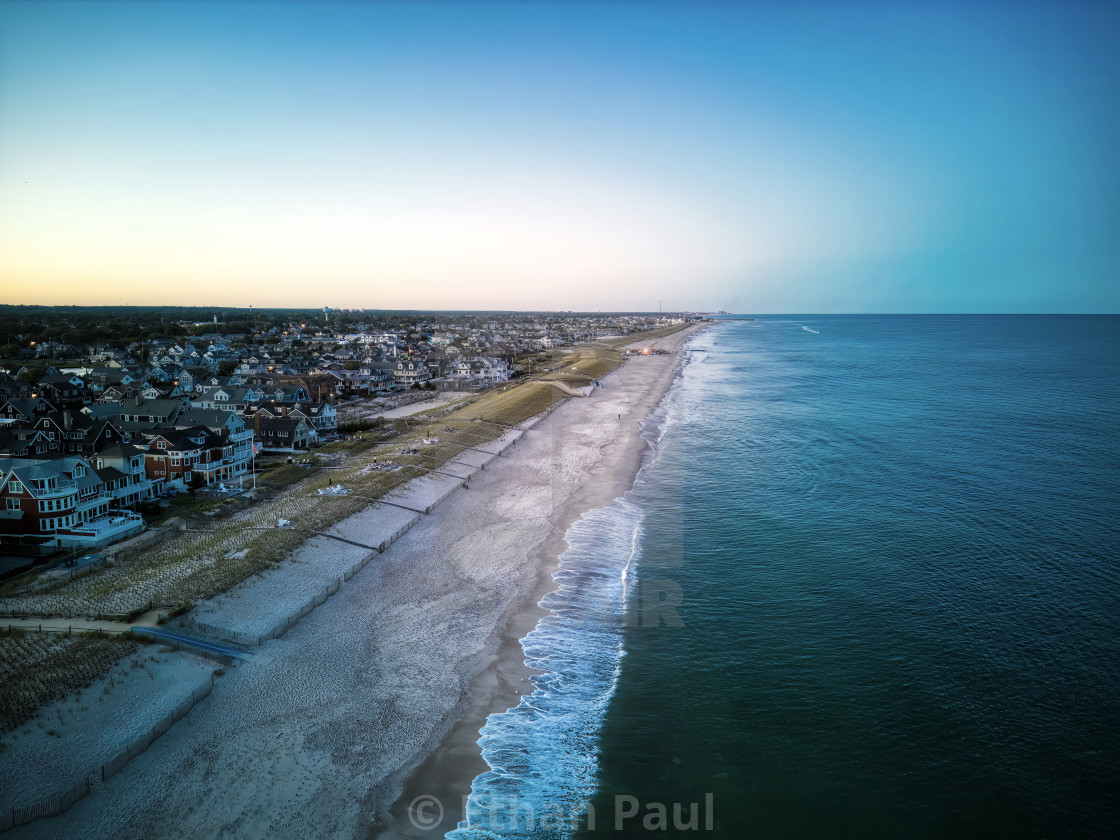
[772, 157]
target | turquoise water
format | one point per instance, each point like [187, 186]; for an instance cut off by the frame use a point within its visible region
[866, 587]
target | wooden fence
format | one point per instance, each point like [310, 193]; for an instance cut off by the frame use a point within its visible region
[60, 803]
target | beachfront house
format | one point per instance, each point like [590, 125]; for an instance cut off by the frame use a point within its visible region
[282, 434]
[411, 371]
[46, 504]
[191, 457]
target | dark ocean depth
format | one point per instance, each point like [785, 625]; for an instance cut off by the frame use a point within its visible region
[894, 541]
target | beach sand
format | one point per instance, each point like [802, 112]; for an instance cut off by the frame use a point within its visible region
[377, 696]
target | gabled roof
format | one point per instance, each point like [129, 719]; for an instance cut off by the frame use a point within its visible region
[25, 406]
[120, 450]
[107, 474]
[79, 421]
[186, 438]
[16, 439]
[60, 379]
[146, 407]
[102, 410]
[30, 469]
[210, 417]
[289, 423]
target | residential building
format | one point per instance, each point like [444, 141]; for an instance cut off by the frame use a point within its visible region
[282, 434]
[121, 467]
[411, 372]
[191, 457]
[59, 502]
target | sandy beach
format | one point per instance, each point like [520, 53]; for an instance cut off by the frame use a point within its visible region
[378, 695]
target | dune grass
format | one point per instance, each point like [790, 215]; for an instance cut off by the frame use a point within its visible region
[511, 405]
[36, 668]
[648, 335]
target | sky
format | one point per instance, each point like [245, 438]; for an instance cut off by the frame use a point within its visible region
[622, 156]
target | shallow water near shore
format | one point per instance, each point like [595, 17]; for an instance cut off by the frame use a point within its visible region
[895, 542]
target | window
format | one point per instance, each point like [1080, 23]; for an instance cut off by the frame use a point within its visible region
[174, 461]
[79, 471]
[13, 504]
[15, 487]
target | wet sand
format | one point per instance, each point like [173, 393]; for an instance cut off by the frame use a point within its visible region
[446, 774]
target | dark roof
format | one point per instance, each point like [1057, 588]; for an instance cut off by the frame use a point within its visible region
[109, 473]
[209, 417]
[280, 423]
[120, 450]
[56, 379]
[25, 405]
[180, 438]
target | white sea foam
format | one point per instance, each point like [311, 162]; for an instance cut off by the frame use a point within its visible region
[543, 753]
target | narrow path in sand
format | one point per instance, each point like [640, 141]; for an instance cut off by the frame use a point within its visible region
[64, 625]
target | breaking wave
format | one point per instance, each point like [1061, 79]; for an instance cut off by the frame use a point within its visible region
[543, 753]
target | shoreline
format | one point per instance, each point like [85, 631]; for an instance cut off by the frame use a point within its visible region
[319, 735]
[448, 771]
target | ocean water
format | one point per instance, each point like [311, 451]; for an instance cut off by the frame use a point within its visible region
[867, 586]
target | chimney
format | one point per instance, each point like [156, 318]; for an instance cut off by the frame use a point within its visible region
[67, 420]
[284, 411]
[257, 424]
[137, 399]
